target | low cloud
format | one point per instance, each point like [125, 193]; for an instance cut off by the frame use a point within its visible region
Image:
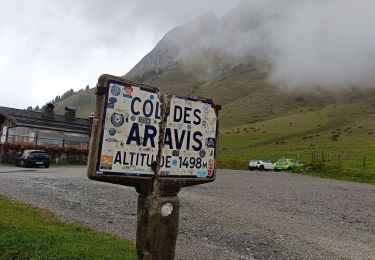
[325, 43]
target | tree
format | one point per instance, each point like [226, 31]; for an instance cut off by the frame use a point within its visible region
[67, 94]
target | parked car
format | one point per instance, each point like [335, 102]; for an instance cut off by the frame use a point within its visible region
[29, 158]
[288, 165]
[261, 165]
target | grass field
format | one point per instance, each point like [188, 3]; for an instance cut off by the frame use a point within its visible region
[339, 137]
[30, 233]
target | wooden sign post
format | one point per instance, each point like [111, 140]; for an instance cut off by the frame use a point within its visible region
[157, 144]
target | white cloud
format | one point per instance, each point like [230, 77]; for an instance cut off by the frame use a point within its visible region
[48, 47]
[325, 43]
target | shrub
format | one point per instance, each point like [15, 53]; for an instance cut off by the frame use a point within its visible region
[9, 153]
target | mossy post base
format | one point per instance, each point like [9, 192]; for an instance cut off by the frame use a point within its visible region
[157, 226]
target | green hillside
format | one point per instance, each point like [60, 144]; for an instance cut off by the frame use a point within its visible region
[340, 138]
[243, 91]
[83, 101]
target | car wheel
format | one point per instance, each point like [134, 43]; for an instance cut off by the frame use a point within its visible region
[261, 168]
[46, 166]
[26, 164]
[289, 169]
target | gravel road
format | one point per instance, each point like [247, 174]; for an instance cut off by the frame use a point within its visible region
[242, 215]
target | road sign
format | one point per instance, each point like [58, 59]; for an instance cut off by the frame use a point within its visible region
[129, 136]
[127, 129]
[190, 139]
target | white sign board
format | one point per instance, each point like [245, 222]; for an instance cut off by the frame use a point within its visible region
[130, 134]
[190, 139]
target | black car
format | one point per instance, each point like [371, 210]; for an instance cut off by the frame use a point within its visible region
[30, 158]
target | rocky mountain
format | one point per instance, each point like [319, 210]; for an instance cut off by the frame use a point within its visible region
[178, 43]
[227, 59]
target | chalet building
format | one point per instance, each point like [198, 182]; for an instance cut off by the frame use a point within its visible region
[44, 128]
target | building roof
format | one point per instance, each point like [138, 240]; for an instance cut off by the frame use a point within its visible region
[20, 117]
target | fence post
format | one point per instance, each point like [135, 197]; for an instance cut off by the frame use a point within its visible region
[36, 137]
[339, 161]
[323, 157]
[364, 162]
[1, 152]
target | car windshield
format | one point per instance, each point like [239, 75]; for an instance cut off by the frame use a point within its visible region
[281, 161]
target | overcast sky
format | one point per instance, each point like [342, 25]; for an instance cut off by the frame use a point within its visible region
[50, 46]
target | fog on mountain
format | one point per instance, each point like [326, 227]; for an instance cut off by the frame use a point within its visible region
[326, 43]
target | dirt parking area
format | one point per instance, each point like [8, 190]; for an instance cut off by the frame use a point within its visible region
[242, 215]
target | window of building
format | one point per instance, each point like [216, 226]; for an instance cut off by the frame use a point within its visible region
[21, 135]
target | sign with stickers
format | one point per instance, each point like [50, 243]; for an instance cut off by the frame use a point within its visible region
[190, 139]
[129, 138]
[130, 134]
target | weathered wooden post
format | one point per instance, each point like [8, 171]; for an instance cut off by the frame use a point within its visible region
[157, 144]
